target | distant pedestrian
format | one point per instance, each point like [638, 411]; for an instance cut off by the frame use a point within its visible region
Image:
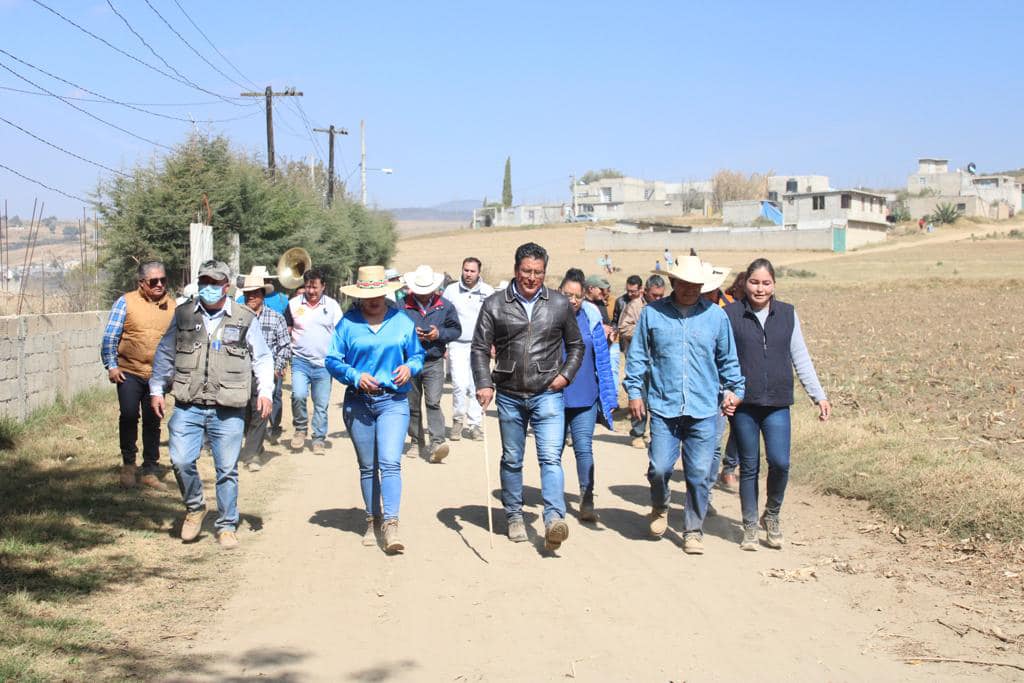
[770, 346]
[683, 356]
[590, 395]
[137, 322]
[467, 295]
[657, 265]
[209, 355]
[529, 325]
[437, 324]
[654, 289]
[311, 318]
[255, 288]
[669, 262]
[376, 352]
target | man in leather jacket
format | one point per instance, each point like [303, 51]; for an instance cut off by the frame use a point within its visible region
[529, 326]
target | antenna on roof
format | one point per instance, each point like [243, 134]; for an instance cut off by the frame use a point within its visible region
[972, 168]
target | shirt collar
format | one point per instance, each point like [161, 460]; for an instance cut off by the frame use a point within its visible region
[517, 294]
[225, 310]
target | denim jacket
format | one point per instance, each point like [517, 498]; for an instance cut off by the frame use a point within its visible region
[683, 358]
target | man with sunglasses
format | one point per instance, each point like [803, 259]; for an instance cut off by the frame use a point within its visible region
[137, 321]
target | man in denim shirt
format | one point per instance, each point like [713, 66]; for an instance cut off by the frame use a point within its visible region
[683, 349]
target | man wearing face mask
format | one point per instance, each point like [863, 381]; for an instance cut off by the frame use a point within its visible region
[208, 356]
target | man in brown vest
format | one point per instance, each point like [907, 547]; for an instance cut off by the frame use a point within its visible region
[137, 321]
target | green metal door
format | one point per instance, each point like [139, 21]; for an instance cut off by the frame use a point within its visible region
[839, 240]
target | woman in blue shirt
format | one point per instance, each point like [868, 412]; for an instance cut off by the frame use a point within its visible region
[375, 352]
[592, 391]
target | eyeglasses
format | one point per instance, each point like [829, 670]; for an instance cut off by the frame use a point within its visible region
[532, 273]
[154, 281]
[574, 297]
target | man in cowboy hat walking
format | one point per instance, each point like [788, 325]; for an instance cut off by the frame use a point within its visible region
[276, 300]
[208, 356]
[255, 290]
[683, 352]
[437, 324]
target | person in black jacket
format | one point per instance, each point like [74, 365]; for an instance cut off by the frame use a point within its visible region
[437, 323]
[527, 324]
[770, 347]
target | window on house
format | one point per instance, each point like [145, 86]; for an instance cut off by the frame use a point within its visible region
[921, 180]
[773, 196]
[606, 194]
[791, 185]
[530, 217]
[818, 202]
[648, 194]
[962, 208]
[844, 201]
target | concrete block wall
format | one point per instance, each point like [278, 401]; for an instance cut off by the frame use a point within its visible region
[46, 357]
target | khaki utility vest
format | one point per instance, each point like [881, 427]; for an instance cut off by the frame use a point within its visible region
[212, 369]
[145, 322]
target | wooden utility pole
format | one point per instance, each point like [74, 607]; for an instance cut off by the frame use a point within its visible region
[330, 158]
[269, 94]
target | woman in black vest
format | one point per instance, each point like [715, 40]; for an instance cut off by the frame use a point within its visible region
[770, 346]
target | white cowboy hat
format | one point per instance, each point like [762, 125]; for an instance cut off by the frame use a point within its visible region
[256, 279]
[714, 276]
[370, 283]
[686, 268]
[423, 280]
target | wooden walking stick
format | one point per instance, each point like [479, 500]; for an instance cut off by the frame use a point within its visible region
[487, 474]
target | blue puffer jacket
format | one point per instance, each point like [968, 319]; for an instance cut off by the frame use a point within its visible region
[607, 393]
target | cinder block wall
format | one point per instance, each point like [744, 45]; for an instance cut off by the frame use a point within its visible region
[43, 357]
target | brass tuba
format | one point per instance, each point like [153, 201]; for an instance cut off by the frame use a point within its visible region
[290, 267]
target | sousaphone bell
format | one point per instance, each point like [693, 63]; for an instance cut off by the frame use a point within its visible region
[290, 267]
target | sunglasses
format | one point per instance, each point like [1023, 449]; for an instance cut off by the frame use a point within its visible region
[154, 281]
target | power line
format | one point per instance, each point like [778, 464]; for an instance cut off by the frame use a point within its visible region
[84, 111]
[309, 130]
[110, 99]
[136, 104]
[132, 57]
[182, 38]
[61, 149]
[42, 184]
[207, 39]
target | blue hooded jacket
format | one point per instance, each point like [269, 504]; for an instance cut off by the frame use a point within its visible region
[607, 393]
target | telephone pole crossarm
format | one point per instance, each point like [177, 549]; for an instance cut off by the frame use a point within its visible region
[269, 94]
[331, 132]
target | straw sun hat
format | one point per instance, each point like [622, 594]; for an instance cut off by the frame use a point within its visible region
[370, 283]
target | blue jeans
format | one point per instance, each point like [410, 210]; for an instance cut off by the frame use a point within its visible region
[716, 460]
[748, 424]
[614, 355]
[223, 428]
[696, 436]
[546, 413]
[308, 378]
[580, 423]
[377, 426]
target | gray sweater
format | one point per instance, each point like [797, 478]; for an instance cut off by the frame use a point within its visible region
[801, 358]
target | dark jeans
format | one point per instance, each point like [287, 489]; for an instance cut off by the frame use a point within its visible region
[277, 409]
[748, 424]
[133, 398]
[255, 429]
[427, 388]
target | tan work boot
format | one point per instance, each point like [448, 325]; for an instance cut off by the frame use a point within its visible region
[192, 525]
[298, 441]
[318, 448]
[227, 539]
[693, 543]
[517, 530]
[456, 434]
[658, 521]
[439, 452]
[128, 476]
[370, 537]
[555, 534]
[152, 481]
[392, 544]
[638, 442]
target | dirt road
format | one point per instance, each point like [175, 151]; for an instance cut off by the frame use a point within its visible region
[611, 605]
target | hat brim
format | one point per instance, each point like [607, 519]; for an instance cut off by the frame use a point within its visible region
[357, 292]
[676, 276]
[716, 281]
[426, 289]
[267, 289]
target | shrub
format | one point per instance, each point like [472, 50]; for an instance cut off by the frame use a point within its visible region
[945, 213]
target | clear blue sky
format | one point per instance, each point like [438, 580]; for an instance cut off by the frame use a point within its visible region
[669, 90]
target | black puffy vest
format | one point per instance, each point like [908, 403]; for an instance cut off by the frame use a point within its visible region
[764, 352]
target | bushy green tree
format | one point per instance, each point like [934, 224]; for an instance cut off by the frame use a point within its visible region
[506, 185]
[147, 215]
[594, 176]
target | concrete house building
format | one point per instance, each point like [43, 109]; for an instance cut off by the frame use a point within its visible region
[854, 209]
[988, 196]
[779, 185]
[626, 198]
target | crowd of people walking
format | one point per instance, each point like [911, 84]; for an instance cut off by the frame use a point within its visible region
[691, 358]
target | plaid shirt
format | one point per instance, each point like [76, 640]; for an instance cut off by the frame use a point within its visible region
[112, 334]
[275, 331]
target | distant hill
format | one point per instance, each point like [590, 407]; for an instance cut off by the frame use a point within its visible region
[459, 210]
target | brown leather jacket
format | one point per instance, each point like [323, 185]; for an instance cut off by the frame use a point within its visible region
[528, 350]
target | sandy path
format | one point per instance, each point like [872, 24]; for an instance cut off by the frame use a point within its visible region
[315, 605]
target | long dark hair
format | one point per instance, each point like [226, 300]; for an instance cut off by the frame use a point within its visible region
[757, 264]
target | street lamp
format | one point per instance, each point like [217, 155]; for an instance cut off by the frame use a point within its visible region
[385, 171]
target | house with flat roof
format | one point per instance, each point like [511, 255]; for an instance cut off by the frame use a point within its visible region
[779, 185]
[987, 196]
[853, 209]
[627, 198]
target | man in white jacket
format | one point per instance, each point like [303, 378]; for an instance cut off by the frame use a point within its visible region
[467, 295]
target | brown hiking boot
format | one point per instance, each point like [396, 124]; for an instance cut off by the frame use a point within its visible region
[587, 513]
[439, 452]
[658, 522]
[517, 530]
[152, 481]
[128, 476]
[729, 482]
[318, 448]
[227, 539]
[693, 543]
[370, 537]
[638, 442]
[298, 441]
[392, 544]
[192, 525]
[555, 534]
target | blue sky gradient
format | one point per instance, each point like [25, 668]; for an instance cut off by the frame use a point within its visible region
[666, 90]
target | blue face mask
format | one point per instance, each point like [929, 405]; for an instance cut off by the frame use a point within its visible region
[211, 294]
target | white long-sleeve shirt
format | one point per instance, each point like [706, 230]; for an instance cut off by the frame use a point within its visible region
[262, 357]
[467, 302]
